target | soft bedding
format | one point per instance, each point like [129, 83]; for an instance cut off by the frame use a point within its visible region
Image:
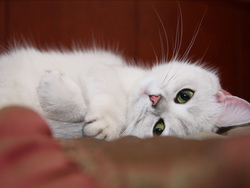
[30, 157]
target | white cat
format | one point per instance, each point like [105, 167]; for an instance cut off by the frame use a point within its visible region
[97, 92]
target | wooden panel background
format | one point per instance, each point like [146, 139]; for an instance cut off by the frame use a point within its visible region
[3, 20]
[223, 40]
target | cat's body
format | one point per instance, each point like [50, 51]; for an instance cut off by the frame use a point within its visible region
[81, 83]
[97, 91]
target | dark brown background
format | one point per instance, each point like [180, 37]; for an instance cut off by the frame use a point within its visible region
[134, 27]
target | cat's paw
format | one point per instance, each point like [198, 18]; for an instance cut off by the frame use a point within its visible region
[60, 97]
[101, 127]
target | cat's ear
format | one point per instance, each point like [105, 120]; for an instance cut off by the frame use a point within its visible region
[233, 110]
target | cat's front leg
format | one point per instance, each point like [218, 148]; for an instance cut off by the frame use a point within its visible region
[61, 98]
[105, 118]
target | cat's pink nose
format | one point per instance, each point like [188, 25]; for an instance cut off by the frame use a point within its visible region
[155, 99]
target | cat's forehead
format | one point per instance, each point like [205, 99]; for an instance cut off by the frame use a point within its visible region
[178, 67]
[177, 75]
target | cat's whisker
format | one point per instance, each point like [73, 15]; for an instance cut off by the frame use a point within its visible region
[130, 126]
[135, 121]
[165, 33]
[172, 78]
[142, 122]
[179, 35]
[197, 29]
[181, 27]
[177, 45]
[201, 59]
[167, 74]
[175, 41]
[144, 110]
[156, 57]
[162, 45]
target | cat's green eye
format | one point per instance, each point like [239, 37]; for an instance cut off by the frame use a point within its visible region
[158, 128]
[184, 96]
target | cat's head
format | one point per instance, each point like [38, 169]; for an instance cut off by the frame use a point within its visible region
[180, 99]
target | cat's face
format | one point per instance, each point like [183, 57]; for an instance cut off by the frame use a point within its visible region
[174, 99]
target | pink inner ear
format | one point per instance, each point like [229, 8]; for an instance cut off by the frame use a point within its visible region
[234, 110]
[221, 95]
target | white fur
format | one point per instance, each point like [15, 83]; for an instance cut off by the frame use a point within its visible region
[97, 91]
